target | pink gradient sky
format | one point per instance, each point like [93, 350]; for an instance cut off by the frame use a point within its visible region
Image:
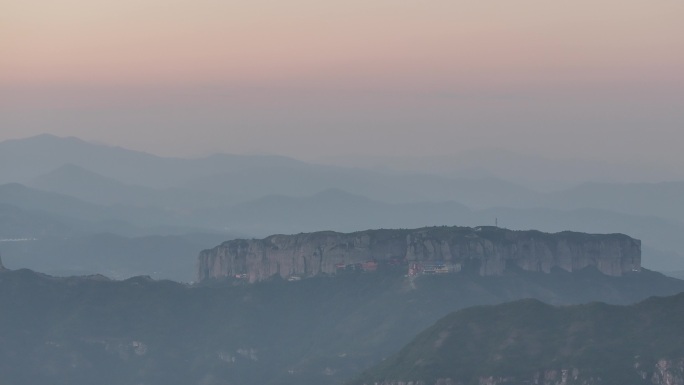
[215, 75]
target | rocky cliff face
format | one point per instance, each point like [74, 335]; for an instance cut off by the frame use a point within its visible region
[2, 267]
[666, 372]
[489, 250]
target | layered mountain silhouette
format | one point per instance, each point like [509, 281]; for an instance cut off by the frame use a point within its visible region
[71, 187]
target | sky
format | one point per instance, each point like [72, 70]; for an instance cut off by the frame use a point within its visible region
[601, 79]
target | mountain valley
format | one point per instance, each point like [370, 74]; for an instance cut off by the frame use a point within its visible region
[322, 330]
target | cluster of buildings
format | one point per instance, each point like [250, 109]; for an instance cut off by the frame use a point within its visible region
[414, 268]
[429, 268]
[368, 266]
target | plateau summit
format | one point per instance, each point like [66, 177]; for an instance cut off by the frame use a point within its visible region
[486, 250]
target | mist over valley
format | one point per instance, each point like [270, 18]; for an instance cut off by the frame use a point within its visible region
[342, 192]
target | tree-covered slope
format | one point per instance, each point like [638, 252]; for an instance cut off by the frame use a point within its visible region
[317, 331]
[528, 341]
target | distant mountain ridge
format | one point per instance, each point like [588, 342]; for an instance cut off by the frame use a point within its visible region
[133, 193]
[58, 164]
[225, 179]
[665, 199]
[37, 214]
[535, 171]
[115, 256]
[74, 209]
[24, 159]
[76, 181]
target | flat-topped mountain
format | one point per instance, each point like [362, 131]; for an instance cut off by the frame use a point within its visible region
[486, 250]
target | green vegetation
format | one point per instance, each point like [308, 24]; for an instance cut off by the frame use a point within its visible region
[517, 340]
[316, 331]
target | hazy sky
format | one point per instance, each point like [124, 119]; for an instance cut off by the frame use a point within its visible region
[599, 79]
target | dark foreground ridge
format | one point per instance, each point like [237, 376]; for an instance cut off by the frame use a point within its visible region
[318, 331]
[487, 250]
[529, 342]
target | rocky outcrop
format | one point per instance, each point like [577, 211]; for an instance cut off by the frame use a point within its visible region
[488, 250]
[664, 372]
[2, 267]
